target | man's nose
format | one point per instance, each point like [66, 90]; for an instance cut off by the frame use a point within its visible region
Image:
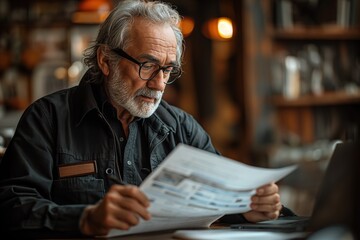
[158, 82]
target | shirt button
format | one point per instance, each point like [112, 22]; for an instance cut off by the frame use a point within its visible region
[121, 139]
[129, 162]
[109, 171]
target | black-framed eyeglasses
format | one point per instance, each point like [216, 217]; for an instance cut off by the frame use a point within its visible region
[148, 70]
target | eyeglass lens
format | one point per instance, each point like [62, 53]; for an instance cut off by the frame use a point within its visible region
[149, 70]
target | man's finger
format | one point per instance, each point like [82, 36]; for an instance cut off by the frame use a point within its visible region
[267, 189]
[132, 192]
[269, 199]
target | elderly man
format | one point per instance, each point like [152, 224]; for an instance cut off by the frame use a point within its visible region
[54, 175]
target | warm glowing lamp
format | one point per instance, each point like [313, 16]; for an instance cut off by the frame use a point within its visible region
[94, 5]
[92, 11]
[219, 29]
[225, 28]
[187, 26]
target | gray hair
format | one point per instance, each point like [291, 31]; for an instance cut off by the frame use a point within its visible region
[114, 32]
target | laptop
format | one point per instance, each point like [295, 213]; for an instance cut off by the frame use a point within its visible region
[282, 224]
[336, 201]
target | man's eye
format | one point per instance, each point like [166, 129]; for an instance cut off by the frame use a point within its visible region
[168, 70]
[149, 66]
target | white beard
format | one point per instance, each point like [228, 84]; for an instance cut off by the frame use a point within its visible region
[119, 93]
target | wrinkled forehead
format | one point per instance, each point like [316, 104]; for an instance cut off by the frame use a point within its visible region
[147, 35]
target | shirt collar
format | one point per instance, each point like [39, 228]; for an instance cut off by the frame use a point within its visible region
[92, 96]
[83, 100]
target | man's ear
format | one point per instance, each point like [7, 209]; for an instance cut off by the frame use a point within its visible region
[103, 61]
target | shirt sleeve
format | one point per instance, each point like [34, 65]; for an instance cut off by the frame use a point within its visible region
[26, 177]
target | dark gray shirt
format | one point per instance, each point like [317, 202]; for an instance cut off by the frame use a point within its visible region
[69, 127]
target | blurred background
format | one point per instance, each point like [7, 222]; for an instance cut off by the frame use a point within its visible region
[274, 82]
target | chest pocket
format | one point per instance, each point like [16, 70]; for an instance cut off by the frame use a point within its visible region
[78, 190]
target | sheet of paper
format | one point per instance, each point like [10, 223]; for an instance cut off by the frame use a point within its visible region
[164, 223]
[216, 234]
[195, 185]
[201, 183]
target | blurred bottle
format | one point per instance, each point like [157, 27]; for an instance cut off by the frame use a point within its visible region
[292, 78]
[51, 74]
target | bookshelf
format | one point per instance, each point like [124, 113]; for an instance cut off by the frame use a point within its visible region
[40, 49]
[330, 111]
[301, 62]
[315, 81]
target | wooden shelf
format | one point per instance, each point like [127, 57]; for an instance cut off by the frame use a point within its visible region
[316, 33]
[326, 99]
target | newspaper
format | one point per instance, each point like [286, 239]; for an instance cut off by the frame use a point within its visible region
[192, 188]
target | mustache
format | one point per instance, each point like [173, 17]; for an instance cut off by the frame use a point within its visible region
[149, 93]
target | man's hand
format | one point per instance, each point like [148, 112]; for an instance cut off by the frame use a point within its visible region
[265, 204]
[121, 208]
